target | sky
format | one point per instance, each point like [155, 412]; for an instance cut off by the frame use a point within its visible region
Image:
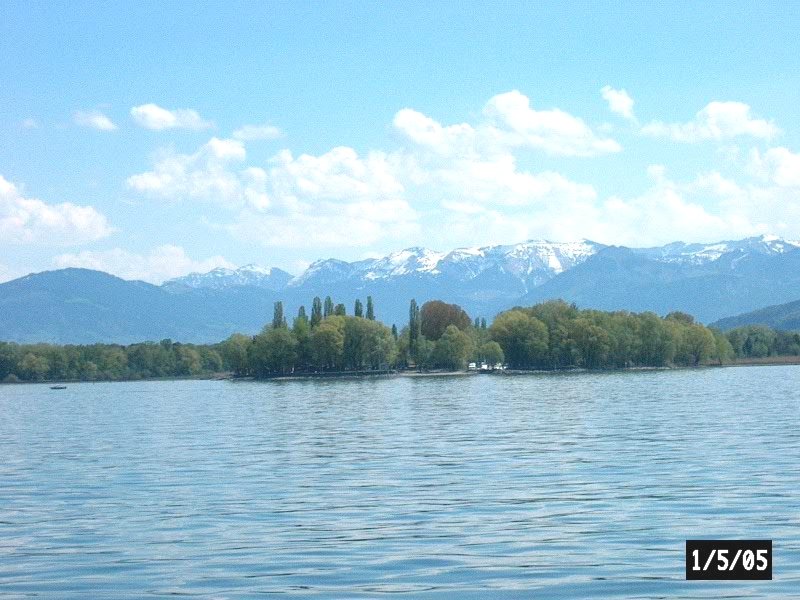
[154, 139]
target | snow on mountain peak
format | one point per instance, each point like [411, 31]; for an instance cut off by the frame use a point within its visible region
[222, 277]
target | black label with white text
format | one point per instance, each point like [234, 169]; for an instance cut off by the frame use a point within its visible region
[728, 559]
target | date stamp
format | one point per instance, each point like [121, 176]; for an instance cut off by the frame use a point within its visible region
[729, 559]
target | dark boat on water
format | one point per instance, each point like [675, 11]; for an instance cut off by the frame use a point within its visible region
[58, 387]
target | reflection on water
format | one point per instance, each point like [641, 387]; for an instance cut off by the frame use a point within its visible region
[572, 486]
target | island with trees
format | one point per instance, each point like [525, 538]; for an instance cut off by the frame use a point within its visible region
[438, 336]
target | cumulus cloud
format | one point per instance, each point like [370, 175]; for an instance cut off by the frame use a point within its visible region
[780, 166]
[94, 120]
[205, 174]
[29, 220]
[160, 264]
[449, 184]
[151, 116]
[619, 102]
[554, 131]
[508, 122]
[248, 133]
[717, 121]
[335, 199]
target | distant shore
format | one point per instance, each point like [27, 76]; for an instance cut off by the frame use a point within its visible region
[389, 373]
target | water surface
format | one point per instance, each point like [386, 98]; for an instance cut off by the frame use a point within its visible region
[568, 486]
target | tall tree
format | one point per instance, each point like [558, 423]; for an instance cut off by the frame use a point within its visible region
[370, 309]
[278, 320]
[339, 310]
[358, 310]
[301, 313]
[316, 311]
[328, 308]
[413, 330]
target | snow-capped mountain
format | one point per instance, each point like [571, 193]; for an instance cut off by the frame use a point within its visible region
[530, 263]
[524, 266]
[221, 278]
[699, 254]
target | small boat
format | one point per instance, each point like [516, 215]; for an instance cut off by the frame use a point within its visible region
[58, 387]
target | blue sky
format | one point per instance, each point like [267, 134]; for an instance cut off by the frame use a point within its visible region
[154, 139]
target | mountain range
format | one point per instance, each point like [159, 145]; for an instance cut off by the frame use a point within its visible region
[710, 281]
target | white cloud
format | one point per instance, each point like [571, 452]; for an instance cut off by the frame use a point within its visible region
[509, 122]
[778, 165]
[29, 123]
[717, 121]
[160, 264]
[29, 220]
[554, 131]
[152, 116]
[257, 132]
[94, 120]
[619, 102]
[204, 175]
[336, 199]
[454, 184]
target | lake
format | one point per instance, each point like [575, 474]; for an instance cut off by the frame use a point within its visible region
[556, 485]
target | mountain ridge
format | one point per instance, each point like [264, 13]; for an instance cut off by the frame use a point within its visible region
[711, 281]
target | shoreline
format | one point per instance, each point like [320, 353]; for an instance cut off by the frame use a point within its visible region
[769, 361]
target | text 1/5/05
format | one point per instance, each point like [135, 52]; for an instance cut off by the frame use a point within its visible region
[729, 559]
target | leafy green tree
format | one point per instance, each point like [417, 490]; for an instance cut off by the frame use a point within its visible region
[787, 343]
[339, 310]
[523, 338]
[188, 361]
[723, 351]
[33, 367]
[492, 354]
[697, 344]
[656, 345]
[753, 341]
[328, 308]
[358, 310]
[592, 343]
[301, 313]
[234, 354]
[367, 344]
[273, 352]
[680, 317]
[8, 359]
[327, 343]
[452, 349]
[557, 315]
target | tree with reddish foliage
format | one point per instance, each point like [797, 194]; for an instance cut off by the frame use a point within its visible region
[435, 316]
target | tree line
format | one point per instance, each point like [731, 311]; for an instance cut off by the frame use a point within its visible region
[552, 335]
